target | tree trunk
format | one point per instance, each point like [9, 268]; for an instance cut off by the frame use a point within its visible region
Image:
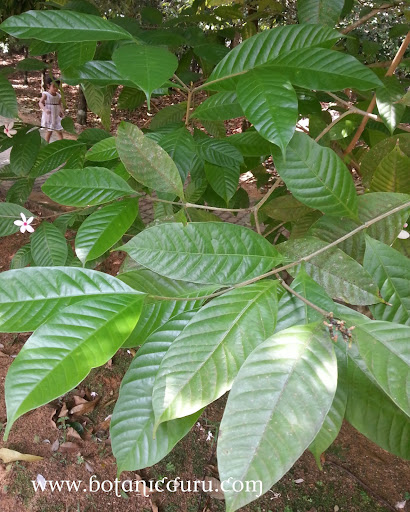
[81, 108]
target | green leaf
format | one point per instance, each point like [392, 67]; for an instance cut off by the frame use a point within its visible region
[223, 180]
[203, 361]
[156, 312]
[8, 100]
[267, 45]
[96, 72]
[146, 161]
[30, 296]
[285, 208]
[325, 12]
[24, 152]
[10, 212]
[392, 173]
[31, 65]
[103, 228]
[48, 246]
[130, 98]
[317, 177]
[271, 105]
[147, 66]
[250, 143]
[277, 405]
[56, 26]
[103, 150]
[387, 98]
[180, 146]
[56, 154]
[219, 152]
[132, 423]
[79, 338]
[91, 136]
[340, 276]
[72, 55]
[20, 191]
[88, 186]
[99, 101]
[391, 272]
[168, 115]
[22, 258]
[384, 347]
[220, 106]
[68, 124]
[203, 252]
[322, 69]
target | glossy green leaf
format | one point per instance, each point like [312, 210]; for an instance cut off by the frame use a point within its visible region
[103, 150]
[250, 143]
[340, 276]
[271, 105]
[99, 101]
[10, 212]
[267, 45]
[147, 66]
[322, 69]
[317, 177]
[8, 100]
[180, 146]
[31, 65]
[391, 272]
[24, 152]
[203, 361]
[387, 101]
[79, 338]
[392, 173]
[130, 98]
[223, 180]
[96, 72]
[103, 228]
[325, 12]
[68, 124]
[72, 55]
[219, 152]
[277, 405]
[168, 115]
[63, 26]
[30, 296]
[146, 161]
[56, 154]
[285, 208]
[220, 106]
[48, 246]
[132, 423]
[22, 258]
[203, 252]
[88, 186]
[20, 191]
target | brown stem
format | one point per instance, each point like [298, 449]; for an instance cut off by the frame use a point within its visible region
[370, 108]
[365, 18]
[256, 208]
[300, 297]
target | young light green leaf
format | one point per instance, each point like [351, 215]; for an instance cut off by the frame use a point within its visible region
[223, 180]
[271, 105]
[387, 101]
[391, 272]
[339, 275]
[147, 66]
[103, 228]
[99, 101]
[203, 252]
[132, 423]
[8, 100]
[48, 246]
[61, 26]
[79, 337]
[103, 150]
[392, 173]
[221, 106]
[72, 55]
[9, 212]
[285, 208]
[317, 177]
[203, 361]
[29, 296]
[88, 186]
[288, 380]
[147, 162]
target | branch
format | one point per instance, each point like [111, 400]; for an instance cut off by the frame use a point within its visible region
[187, 89]
[199, 206]
[366, 18]
[370, 108]
[330, 126]
[300, 297]
[295, 263]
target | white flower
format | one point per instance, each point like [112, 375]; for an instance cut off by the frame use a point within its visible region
[9, 131]
[24, 224]
[403, 235]
[209, 436]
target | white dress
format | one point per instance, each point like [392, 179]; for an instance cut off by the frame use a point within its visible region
[52, 121]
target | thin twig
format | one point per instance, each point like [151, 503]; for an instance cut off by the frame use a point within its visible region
[295, 263]
[365, 18]
[182, 83]
[273, 229]
[300, 297]
[199, 206]
[262, 202]
[188, 107]
[330, 126]
[390, 71]
[207, 84]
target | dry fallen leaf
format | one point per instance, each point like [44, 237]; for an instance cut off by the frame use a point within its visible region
[84, 407]
[154, 507]
[55, 446]
[212, 487]
[7, 455]
[73, 433]
[63, 412]
[70, 447]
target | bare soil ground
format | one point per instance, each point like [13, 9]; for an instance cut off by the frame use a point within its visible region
[357, 476]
